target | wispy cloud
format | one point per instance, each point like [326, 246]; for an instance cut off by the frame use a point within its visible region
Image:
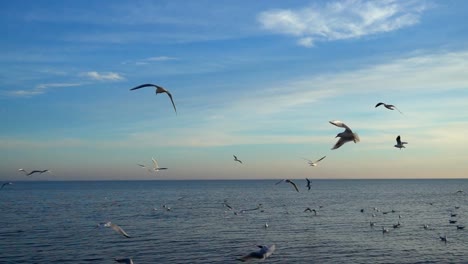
[342, 19]
[40, 89]
[104, 76]
[150, 60]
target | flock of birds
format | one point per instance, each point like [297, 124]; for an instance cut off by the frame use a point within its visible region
[264, 251]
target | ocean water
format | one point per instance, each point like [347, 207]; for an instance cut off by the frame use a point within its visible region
[55, 222]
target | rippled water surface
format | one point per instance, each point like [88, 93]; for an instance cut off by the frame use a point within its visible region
[55, 222]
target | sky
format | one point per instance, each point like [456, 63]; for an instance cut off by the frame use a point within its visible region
[257, 79]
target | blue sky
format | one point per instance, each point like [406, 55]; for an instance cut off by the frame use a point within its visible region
[258, 79]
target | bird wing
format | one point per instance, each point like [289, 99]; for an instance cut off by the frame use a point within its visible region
[141, 165]
[398, 140]
[279, 182]
[155, 164]
[340, 143]
[293, 184]
[379, 104]
[269, 251]
[172, 101]
[320, 159]
[143, 86]
[340, 124]
[23, 170]
[119, 229]
[308, 182]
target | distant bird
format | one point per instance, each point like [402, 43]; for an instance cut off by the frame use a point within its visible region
[426, 226]
[453, 215]
[236, 159]
[400, 144]
[388, 106]
[159, 89]
[266, 225]
[452, 221]
[115, 227]
[344, 136]
[289, 181]
[372, 224]
[459, 191]
[156, 167]
[308, 184]
[397, 225]
[262, 254]
[34, 171]
[362, 210]
[460, 227]
[143, 166]
[443, 238]
[384, 230]
[314, 163]
[310, 210]
[124, 260]
[5, 184]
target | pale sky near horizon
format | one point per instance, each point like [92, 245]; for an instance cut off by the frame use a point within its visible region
[258, 79]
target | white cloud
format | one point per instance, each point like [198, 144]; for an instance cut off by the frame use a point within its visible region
[105, 76]
[342, 19]
[149, 60]
[40, 89]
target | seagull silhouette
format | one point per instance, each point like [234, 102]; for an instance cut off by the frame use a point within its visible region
[400, 144]
[159, 89]
[5, 184]
[388, 106]
[236, 159]
[308, 184]
[124, 260]
[34, 171]
[344, 136]
[263, 253]
[115, 227]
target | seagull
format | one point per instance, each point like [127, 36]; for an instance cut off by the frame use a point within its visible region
[384, 230]
[452, 221]
[314, 163]
[115, 227]
[459, 191]
[289, 181]
[400, 144]
[263, 253]
[143, 166]
[266, 225]
[308, 184]
[34, 171]
[388, 106]
[124, 260]
[159, 89]
[372, 224]
[460, 227]
[443, 238]
[426, 226]
[156, 167]
[453, 215]
[236, 159]
[310, 210]
[344, 136]
[5, 184]
[397, 225]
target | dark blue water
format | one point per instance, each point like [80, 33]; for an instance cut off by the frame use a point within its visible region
[55, 222]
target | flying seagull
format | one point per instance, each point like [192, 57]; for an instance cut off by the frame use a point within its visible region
[310, 210]
[263, 253]
[156, 167]
[388, 106]
[400, 144]
[236, 159]
[144, 167]
[115, 227]
[308, 184]
[124, 260]
[289, 181]
[314, 163]
[344, 136]
[32, 172]
[5, 184]
[159, 89]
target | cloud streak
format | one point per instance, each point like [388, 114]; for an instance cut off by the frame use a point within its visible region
[342, 19]
[104, 76]
[40, 89]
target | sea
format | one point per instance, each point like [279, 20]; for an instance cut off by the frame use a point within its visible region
[192, 221]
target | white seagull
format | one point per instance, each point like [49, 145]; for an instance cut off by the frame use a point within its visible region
[124, 260]
[400, 144]
[314, 163]
[115, 227]
[344, 136]
[156, 167]
[288, 181]
[388, 106]
[263, 253]
[34, 171]
[159, 89]
[236, 159]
